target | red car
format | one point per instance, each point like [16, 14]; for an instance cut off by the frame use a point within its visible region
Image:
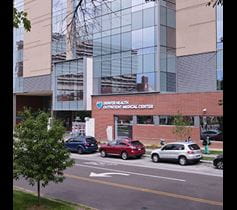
[124, 148]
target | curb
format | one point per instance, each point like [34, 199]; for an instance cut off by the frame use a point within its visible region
[206, 161]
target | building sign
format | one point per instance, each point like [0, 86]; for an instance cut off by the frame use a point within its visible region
[121, 105]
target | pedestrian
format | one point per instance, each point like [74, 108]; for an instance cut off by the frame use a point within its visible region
[189, 139]
[162, 142]
[205, 143]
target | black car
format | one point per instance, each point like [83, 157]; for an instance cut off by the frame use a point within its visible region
[218, 162]
[82, 144]
[215, 135]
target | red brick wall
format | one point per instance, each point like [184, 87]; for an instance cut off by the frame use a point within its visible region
[164, 104]
[153, 133]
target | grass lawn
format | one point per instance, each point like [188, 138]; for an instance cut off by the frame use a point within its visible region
[208, 158]
[28, 201]
[214, 152]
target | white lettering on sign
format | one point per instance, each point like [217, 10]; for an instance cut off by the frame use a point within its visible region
[122, 105]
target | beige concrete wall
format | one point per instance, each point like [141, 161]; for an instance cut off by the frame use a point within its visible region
[195, 27]
[37, 42]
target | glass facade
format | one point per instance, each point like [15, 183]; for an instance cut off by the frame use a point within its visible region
[68, 85]
[124, 59]
[18, 44]
[219, 30]
[167, 46]
[123, 37]
[59, 30]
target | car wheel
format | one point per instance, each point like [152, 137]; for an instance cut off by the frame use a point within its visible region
[155, 158]
[124, 155]
[182, 161]
[219, 165]
[79, 150]
[197, 161]
[102, 153]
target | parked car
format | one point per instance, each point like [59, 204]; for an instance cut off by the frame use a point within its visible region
[81, 144]
[181, 152]
[124, 148]
[218, 162]
[215, 135]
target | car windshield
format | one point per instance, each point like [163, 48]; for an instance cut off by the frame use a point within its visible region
[112, 143]
[194, 147]
[91, 140]
[136, 143]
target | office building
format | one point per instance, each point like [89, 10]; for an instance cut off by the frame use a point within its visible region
[132, 65]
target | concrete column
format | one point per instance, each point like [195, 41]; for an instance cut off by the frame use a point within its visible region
[134, 119]
[90, 126]
[14, 110]
[157, 16]
[115, 127]
[196, 121]
[156, 120]
[87, 82]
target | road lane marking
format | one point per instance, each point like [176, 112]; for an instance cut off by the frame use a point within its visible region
[92, 174]
[139, 174]
[100, 163]
[157, 192]
[161, 167]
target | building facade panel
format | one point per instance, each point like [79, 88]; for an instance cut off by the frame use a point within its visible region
[195, 27]
[38, 83]
[37, 42]
[196, 73]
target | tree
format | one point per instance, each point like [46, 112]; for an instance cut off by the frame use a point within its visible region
[20, 17]
[181, 129]
[39, 154]
[215, 2]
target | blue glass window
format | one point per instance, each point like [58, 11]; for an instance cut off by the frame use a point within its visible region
[148, 37]
[137, 39]
[149, 63]
[136, 20]
[126, 41]
[148, 17]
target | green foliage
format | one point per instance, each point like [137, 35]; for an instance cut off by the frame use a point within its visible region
[181, 129]
[20, 17]
[39, 154]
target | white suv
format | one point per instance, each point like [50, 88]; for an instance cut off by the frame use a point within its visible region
[183, 152]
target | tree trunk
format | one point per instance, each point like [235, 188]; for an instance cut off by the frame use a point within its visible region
[38, 187]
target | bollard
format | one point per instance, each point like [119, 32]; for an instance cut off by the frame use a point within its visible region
[206, 146]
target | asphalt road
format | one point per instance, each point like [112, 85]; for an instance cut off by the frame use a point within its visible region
[137, 184]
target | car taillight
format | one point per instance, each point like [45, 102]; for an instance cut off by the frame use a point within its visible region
[190, 152]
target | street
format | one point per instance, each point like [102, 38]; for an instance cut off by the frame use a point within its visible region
[139, 184]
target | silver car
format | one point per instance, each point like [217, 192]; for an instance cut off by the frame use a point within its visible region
[183, 152]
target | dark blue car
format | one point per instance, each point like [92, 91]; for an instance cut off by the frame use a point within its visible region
[82, 144]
